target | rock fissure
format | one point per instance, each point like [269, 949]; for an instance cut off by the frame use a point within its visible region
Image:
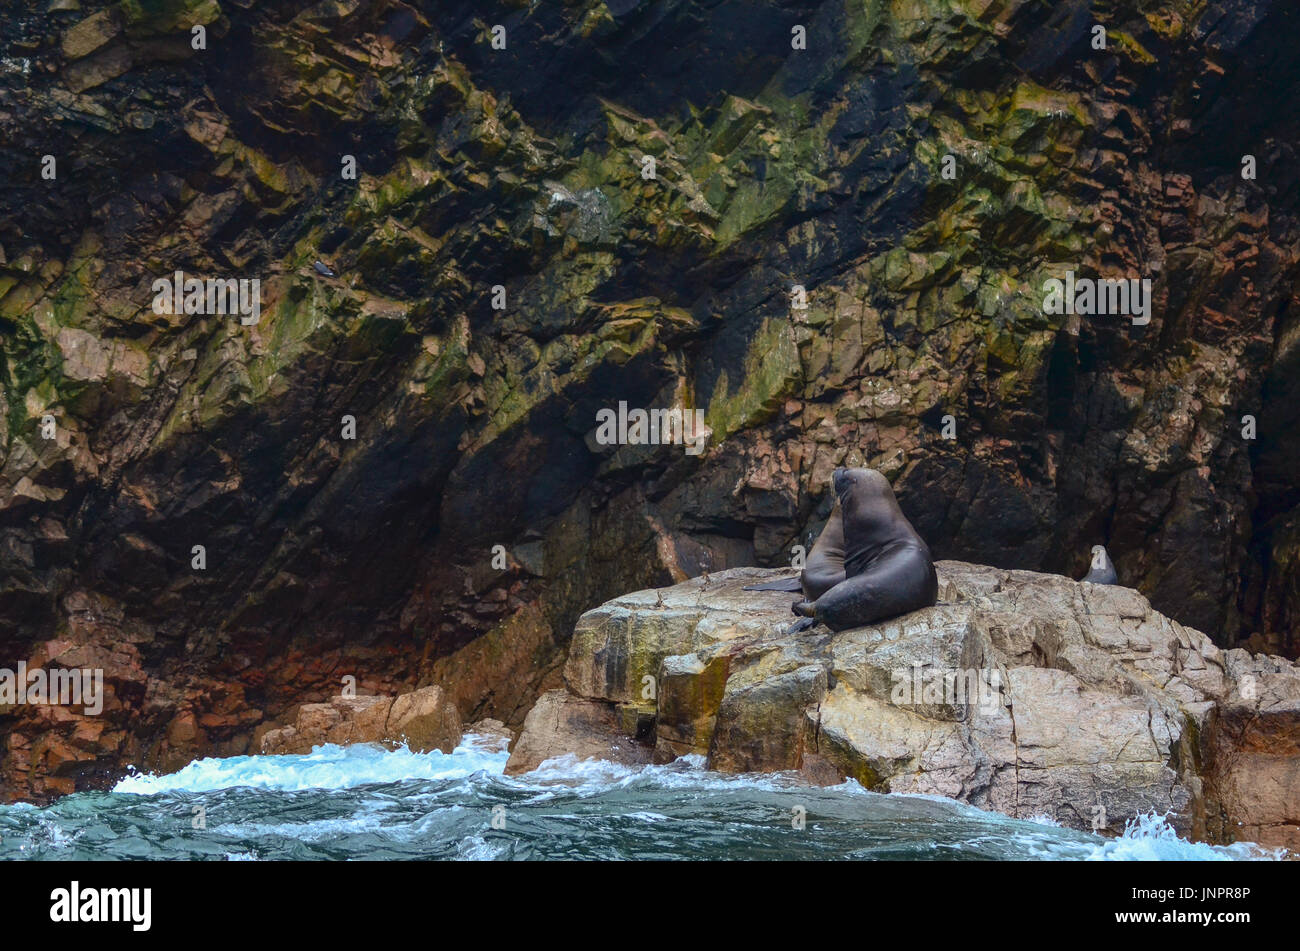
[1048, 741]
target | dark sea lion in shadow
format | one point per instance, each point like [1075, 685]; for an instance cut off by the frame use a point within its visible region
[888, 570]
[824, 568]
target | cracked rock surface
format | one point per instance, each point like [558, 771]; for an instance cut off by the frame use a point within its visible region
[127, 437]
[1077, 702]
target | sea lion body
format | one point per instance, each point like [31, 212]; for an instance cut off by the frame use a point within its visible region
[888, 569]
[824, 568]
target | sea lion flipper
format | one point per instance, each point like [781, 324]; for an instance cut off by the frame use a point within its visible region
[782, 584]
[801, 625]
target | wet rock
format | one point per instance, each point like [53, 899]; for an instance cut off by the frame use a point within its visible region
[1026, 693]
[1252, 743]
[424, 720]
[492, 732]
[561, 724]
[90, 34]
[98, 69]
[689, 695]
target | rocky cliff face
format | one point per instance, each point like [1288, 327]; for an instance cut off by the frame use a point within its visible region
[1029, 694]
[128, 437]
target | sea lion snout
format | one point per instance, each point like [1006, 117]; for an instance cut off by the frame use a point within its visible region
[845, 480]
[841, 479]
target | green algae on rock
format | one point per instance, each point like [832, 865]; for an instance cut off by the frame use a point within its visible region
[524, 169]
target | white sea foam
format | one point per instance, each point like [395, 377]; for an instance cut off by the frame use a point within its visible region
[336, 768]
[1150, 838]
[325, 767]
[475, 848]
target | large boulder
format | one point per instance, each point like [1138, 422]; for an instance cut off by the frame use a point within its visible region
[1026, 693]
[425, 720]
[561, 724]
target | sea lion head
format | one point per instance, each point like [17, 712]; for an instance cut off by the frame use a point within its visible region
[871, 513]
[861, 486]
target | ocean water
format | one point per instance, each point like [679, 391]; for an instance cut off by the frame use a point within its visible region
[364, 802]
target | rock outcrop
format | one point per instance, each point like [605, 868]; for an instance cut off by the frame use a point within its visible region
[424, 720]
[128, 437]
[561, 724]
[1025, 693]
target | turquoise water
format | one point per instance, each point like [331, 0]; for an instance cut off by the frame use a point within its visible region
[363, 802]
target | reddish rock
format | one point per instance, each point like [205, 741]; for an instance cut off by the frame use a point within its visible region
[425, 720]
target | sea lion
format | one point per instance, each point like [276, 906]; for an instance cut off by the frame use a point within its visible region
[1103, 569]
[887, 565]
[824, 568]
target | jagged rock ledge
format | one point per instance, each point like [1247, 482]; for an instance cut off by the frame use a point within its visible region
[425, 720]
[1095, 709]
